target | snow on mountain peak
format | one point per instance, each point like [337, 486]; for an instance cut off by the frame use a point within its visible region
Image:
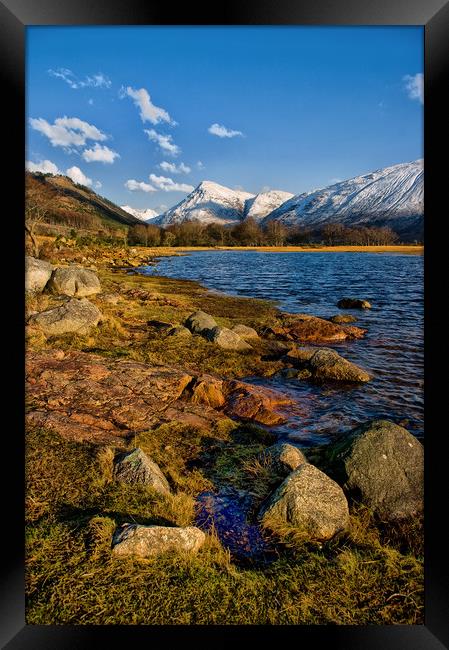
[390, 196]
[142, 214]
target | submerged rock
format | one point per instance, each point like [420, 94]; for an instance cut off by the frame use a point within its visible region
[309, 501]
[245, 332]
[148, 541]
[199, 322]
[227, 339]
[353, 303]
[283, 458]
[74, 281]
[382, 464]
[342, 318]
[77, 316]
[135, 467]
[37, 274]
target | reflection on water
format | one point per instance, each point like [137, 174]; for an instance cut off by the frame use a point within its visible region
[312, 283]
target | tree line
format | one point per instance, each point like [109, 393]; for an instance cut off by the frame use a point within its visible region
[250, 233]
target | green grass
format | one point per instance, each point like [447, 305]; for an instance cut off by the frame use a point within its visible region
[372, 575]
[74, 507]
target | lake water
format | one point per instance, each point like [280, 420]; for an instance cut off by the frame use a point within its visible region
[312, 283]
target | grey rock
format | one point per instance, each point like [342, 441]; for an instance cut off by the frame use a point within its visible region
[199, 322]
[382, 464]
[328, 364]
[283, 458]
[37, 274]
[309, 501]
[147, 541]
[74, 281]
[353, 303]
[245, 332]
[135, 467]
[75, 315]
[179, 331]
[342, 318]
[226, 339]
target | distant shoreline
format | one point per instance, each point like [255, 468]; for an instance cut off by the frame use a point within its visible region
[408, 250]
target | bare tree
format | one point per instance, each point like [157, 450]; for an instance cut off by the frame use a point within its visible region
[37, 207]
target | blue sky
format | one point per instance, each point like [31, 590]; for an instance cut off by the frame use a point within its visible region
[289, 108]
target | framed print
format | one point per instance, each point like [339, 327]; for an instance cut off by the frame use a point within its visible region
[231, 344]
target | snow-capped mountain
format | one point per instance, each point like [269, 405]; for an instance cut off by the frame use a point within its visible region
[392, 196]
[143, 215]
[262, 204]
[208, 203]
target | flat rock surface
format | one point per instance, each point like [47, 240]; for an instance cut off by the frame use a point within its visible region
[328, 364]
[147, 541]
[85, 396]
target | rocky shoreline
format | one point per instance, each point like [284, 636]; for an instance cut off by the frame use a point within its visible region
[112, 358]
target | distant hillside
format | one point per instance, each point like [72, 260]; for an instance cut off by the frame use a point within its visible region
[69, 202]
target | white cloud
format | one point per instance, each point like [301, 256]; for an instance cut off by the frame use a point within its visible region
[90, 102]
[148, 111]
[222, 131]
[169, 185]
[165, 142]
[265, 188]
[98, 80]
[414, 86]
[100, 153]
[134, 186]
[45, 167]
[333, 181]
[175, 169]
[98, 185]
[67, 131]
[200, 165]
[77, 176]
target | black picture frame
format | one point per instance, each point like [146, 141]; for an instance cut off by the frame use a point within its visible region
[15, 16]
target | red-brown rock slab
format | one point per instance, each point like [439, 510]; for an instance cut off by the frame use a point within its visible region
[89, 397]
[305, 328]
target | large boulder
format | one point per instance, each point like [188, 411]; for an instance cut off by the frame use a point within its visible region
[147, 541]
[309, 501]
[135, 467]
[76, 316]
[283, 458]
[382, 464]
[327, 364]
[74, 281]
[353, 303]
[226, 339]
[37, 274]
[199, 322]
[245, 332]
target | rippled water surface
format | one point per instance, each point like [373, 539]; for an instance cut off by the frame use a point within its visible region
[312, 283]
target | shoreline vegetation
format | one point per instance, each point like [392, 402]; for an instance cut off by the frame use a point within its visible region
[129, 381]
